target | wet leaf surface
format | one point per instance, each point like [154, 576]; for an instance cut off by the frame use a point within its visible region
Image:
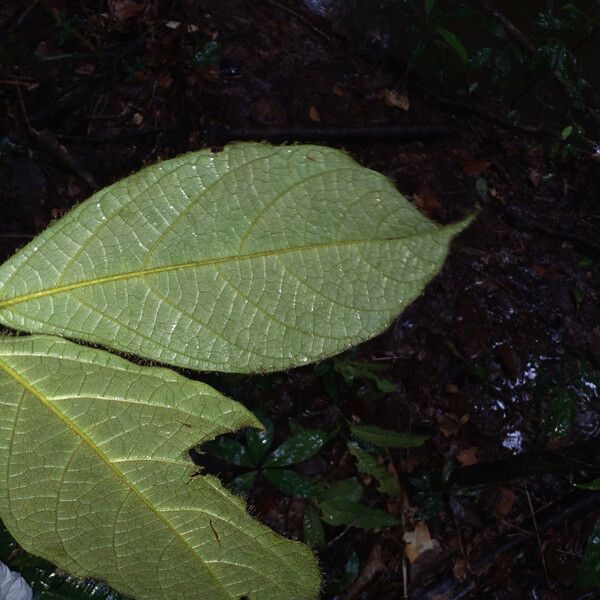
[513, 316]
[385, 438]
[296, 448]
[367, 464]
[289, 482]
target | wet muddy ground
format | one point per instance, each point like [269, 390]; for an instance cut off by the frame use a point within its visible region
[497, 362]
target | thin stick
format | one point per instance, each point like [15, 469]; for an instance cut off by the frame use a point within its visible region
[301, 18]
[28, 85]
[578, 504]
[24, 111]
[332, 134]
[539, 539]
[511, 29]
[18, 20]
[397, 133]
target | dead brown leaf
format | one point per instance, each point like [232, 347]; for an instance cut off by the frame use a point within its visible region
[452, 388]
[313, 114]
[473, 166]
[534, 177]
[164, 80]
[505, 501]
[125, 9]
[448, 422]
[427, 202]
[395, 99]
[269, 111]
[85, 70]
[339, 90]
[460, 569]
[417, 542]
[468, 456]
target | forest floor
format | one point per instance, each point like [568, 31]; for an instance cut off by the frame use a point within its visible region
[497, 362]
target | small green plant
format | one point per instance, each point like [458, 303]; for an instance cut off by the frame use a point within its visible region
[250, 260]
[255, 456]
[426, 25]
[334, 503]
[339, 503]
[430, 491]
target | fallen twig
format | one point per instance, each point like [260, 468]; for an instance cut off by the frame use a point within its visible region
[48, 142]
[561, 227]
[218, 136]
[538, 538]
[24, 110]
[332, 134]
[579, 504]
[27, 84]
[373, 567]
[493, 117]
[18, 20]
[300, 18]
[511, 29]
[536, 462]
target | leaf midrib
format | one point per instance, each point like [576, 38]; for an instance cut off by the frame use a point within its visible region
[8, 370]
[197, 264]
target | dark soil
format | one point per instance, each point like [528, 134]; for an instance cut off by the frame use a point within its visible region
[506, 338]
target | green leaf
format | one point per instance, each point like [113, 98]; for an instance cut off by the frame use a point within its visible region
[243, 483]
[589, 571]
[94, 476]
[339, 505]
[259, 441]
[428, 6]
[289, 482]
[252, 259]
[592, 485]
[454, 42]
[296, 448]
[385, 438]
[346, 489]
[346, 512]
[350, 370]
[566, 132]
[384, 385]
[561, 412]
[365, 463]
[230, 451]
[312, 528]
